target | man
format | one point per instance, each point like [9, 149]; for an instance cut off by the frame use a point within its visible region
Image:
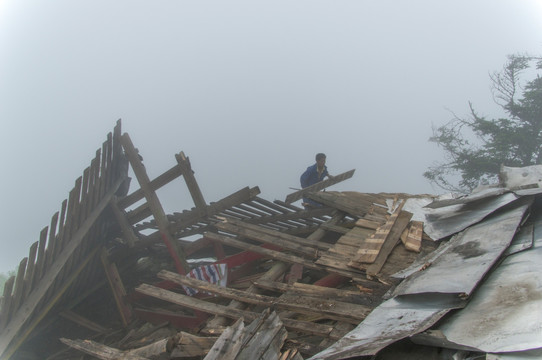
[313, 175]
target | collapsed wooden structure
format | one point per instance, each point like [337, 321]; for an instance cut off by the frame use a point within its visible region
[114, 276]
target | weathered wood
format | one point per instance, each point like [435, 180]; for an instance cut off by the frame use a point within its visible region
[229, 343]
[354, 206]
[299, 303]
[348, 296]
[5, 309]
[276, 271]
[46, 257]
[19, 285]
[109, 353]
[189, 345]
[370, 247]
[412, 236]
[127, 230]
[30, 270]
[155, 184]
[191, 183]
[192, 303]
[319, 186]
[289, 242]
[263, 338]
[83, 321]
[364, 223]
[117, 288]
[282, 256]
[154, 204]
[20, 317]
[391, 241]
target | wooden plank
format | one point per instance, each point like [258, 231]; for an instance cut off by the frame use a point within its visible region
[47, 257]
[354, 206]
[5, 309]
[319, 186]
[332, 309]
[370, 247]
[357, 276]
[391, 241]
[83, 321]
[20, 317]
[412, 238]
[347, 296]
[191, 183]
[364, 223]
[190, 345]
[127, 230]
[228, 344]
[117, 288]
[154, 204]
[192, 303]
[275, 272]
[288, 242]
[263, 338]
[19, 285]
[186, 219]
[105, 352]
[30, 270]
[155, 184]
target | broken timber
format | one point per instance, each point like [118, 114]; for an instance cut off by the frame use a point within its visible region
[319, 186]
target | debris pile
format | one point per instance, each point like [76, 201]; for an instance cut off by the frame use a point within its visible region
[382, 276]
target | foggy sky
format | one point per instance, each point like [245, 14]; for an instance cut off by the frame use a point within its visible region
[249, 90]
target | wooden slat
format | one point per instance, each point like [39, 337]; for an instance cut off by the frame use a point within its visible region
[276, 271]
[5, 309]
[191, 183]
[117, 288]
[371, 246]
[30, 270]
[155, 184]
[357, 206]
[268, 236]
[45, 259]
[319, 186]
[19, 285]
[196, 304]
[391, 241]
[19, 318]
[42, 257]
[360, 277]
[155, 206]
[412, 238]
[304, 304]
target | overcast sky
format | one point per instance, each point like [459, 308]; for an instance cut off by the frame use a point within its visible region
[249, 90]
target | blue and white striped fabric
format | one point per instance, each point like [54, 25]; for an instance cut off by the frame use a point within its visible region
[214, 274]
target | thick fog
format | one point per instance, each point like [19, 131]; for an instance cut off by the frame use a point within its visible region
[249, 90]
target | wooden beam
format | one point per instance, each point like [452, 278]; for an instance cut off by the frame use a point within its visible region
[154, 204]
[319, 186]
[20, 317]
[193, 303]
[391, 241]
[117, 288]
[191, 182]
[357, 276]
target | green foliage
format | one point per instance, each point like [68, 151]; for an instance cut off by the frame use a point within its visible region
[476, 147]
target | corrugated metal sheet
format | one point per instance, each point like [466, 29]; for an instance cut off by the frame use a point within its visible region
[505, 314]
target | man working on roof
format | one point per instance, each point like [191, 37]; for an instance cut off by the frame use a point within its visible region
[312, 175]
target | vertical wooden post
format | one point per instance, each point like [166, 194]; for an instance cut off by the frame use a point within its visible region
[154, 204]
[117, 288]
[191, 183]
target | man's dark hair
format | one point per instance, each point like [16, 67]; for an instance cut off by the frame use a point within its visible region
[320, 156]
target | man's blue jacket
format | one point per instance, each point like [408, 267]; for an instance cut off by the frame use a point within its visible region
[310, 176]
